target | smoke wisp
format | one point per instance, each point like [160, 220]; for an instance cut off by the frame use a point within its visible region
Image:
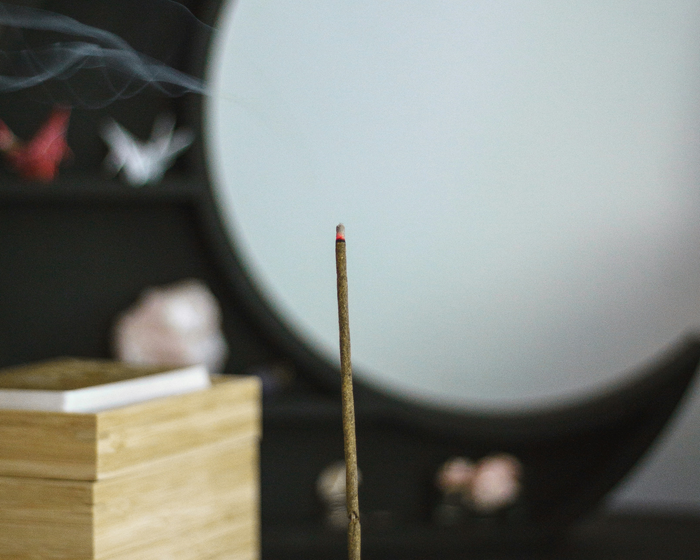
[74, 48]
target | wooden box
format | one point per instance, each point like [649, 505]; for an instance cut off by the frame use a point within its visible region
[173, 478]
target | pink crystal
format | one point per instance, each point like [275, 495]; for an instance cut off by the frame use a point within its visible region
[174, 325]
[496, 483]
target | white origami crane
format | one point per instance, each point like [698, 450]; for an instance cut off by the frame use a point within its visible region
[144, 162]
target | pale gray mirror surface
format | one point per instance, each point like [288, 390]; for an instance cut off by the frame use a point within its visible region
[518, 180]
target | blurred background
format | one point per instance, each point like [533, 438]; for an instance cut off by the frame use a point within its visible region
[518, 180]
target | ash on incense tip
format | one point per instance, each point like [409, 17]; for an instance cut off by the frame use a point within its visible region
[340, 232]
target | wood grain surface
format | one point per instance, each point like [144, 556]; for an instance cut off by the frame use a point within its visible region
[98, 445]
[170, 478]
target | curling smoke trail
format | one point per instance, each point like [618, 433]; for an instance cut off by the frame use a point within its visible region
[124, 71]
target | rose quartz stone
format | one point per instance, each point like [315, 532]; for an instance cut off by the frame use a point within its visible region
[496, 483]
[456, 475]
[173, 325]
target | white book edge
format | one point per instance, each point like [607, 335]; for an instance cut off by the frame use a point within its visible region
[109, 395]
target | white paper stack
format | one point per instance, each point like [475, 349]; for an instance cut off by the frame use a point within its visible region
[79, 385]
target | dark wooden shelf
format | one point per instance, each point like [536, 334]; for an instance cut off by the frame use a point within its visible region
[606, 536]
[84, 187]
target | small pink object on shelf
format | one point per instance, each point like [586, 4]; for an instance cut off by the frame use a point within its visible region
[496, 483]
[456, 476]
[178, 325]
[485, 487]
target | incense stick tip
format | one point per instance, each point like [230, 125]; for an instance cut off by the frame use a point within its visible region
[340, 232]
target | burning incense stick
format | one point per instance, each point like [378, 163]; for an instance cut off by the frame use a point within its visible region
[353, 505]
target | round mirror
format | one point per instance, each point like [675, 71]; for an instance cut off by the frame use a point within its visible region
[518, 181]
